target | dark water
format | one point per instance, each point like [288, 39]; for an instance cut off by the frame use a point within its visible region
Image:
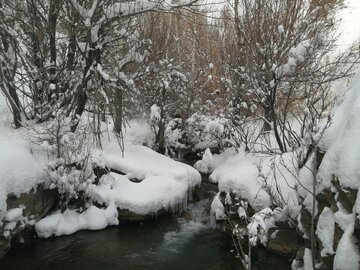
[162, 244]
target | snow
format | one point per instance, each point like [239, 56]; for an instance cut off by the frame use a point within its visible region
[211, 161]
[139, 162]
[343, 153]
[161, 183]
[154, 193]
[72, 221]
[206, 165]
[165, 184]
[307, 179]
[138, 132]
[240, 175]
[347, 253]
[308, 260]
[155, 113]
[259, 226]
[13, 214]
[20, 171]
[246, 174]
[325, 231]
[217, 208]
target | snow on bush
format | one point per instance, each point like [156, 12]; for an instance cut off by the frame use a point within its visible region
[204, 132]
[138, 132]
[259, 225]
[68, 153]
[261, 179]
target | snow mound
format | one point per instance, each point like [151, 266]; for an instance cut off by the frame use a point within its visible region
[72, 221]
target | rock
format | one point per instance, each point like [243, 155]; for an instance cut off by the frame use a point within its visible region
[4, 246]
[326, 199]
[128, 216]
[37, 203]
[347, 198]
[284, 242]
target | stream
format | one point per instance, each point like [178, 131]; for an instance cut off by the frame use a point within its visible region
[166, 243]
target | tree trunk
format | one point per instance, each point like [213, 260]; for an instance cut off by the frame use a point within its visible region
[118, 121]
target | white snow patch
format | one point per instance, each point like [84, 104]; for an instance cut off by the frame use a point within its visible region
[325, 231]
[308, 260]
[13, 214]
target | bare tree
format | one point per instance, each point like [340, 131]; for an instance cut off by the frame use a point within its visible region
[284, 63]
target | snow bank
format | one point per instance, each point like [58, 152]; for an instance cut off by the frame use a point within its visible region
[72, 221]
[20, 171]
[340, 141]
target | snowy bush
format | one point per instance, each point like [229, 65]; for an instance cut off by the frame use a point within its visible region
[204, 131]
[68, 164]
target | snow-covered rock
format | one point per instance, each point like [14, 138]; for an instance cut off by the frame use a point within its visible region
[161, 184]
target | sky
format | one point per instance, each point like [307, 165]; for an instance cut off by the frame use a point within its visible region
[350, 23]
